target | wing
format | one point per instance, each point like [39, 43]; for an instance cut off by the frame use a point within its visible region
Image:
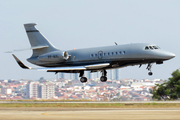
[64, 69]
[20, 63]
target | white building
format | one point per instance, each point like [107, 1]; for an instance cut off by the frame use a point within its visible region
[46, 91]
[32, 90]
[136, 84]
[6, 91]
[43, 91]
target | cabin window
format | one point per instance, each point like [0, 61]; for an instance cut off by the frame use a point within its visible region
[92, 55]
[123, 52]
[119, 52]
[108, 53]
[116, 53]
[100, 54]
[95, 55]
[112, 53]
[104, 54]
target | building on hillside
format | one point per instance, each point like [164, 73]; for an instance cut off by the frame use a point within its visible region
[32, 90]
[46, 91]
[6, 91]
[35, 90]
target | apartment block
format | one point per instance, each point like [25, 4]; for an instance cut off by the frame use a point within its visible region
[46, 91]
[32, 90]
[6, 91]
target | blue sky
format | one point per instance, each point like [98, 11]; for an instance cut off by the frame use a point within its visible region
[77, 24]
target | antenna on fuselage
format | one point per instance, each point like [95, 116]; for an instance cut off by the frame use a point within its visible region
[115, 43]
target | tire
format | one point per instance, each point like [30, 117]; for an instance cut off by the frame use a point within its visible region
[103, 79]
[83, 79]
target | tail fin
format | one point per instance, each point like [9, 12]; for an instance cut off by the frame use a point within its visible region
[39, 43]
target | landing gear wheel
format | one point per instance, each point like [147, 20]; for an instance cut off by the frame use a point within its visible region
[103, 79]
[83, 79]
[150, 73]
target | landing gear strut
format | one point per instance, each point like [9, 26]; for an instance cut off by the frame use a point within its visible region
[103, 77]
[149, 68]
[82, 79]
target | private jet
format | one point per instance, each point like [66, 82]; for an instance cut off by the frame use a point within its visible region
[90, 59]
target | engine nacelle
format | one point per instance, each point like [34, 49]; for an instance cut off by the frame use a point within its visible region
[56, 56]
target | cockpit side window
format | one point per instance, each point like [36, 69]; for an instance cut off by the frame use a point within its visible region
[155, 47]
[146, 48]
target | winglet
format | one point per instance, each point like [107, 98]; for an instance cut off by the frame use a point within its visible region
[20, 63]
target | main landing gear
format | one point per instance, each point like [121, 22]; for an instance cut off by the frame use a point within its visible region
[103, 77]
[149, 68]
[82, 79]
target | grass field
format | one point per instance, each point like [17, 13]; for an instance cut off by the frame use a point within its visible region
[94, 105]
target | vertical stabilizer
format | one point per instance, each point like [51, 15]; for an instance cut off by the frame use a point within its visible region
[39, 43]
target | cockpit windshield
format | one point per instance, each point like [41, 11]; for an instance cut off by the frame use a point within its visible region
[146, 48]
[152, 47]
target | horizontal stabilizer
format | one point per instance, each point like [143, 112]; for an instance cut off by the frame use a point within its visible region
[32, 48]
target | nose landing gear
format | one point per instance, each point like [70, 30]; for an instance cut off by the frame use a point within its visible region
[149, 68]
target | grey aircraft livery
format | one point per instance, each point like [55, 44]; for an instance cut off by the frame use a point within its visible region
[90, 59]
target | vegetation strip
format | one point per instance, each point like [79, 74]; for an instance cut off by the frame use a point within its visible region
[94, 105]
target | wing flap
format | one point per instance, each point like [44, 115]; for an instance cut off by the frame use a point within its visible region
[74, 68]
[97, 66]
[62, 69]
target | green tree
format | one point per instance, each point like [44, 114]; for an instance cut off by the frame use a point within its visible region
[168, 90]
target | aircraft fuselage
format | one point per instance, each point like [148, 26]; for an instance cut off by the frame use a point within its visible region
[117, 55]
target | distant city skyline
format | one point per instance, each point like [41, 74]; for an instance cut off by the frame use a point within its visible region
[69, 89]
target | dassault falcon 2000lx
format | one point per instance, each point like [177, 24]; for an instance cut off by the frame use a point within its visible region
[90, 59]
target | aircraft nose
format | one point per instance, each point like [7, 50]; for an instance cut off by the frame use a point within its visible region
[169, 55]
